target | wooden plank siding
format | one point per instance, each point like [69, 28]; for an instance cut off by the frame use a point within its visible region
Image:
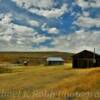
[85, 59]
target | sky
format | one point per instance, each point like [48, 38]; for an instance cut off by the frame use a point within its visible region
[49, 25]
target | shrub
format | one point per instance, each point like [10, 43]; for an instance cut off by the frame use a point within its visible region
[5, 70]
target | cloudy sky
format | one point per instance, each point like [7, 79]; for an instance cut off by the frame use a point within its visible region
[54, 25]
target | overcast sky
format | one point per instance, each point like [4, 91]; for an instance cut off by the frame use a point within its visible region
[49, 25]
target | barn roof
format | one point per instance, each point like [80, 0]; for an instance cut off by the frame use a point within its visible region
[55, 59]
[86, 54]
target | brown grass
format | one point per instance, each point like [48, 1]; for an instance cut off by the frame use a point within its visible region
[54, 83]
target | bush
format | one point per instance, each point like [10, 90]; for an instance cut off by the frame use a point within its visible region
[5, 70]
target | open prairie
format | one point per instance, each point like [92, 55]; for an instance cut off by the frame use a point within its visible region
[49, 83]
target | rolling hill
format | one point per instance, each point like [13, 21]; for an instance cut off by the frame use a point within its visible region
[34, 57]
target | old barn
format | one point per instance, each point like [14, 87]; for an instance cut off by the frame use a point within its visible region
[86, 59]
[55, 61]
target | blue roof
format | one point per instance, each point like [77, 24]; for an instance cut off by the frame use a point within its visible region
[55, 59]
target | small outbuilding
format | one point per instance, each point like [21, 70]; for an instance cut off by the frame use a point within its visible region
[86, 59]
[55, 61]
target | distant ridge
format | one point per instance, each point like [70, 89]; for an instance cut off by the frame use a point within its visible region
[38, 57]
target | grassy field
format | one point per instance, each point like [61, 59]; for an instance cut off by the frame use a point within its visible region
[49, 83]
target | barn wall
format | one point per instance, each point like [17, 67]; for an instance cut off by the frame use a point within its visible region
[55, 63]
[85, 63]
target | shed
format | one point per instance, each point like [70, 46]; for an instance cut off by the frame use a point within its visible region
[86, 59]
[55, 61]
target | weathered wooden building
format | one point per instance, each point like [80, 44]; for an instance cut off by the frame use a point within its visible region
[55, 61]
[86, 59]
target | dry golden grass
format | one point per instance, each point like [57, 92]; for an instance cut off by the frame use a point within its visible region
[50, 83]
